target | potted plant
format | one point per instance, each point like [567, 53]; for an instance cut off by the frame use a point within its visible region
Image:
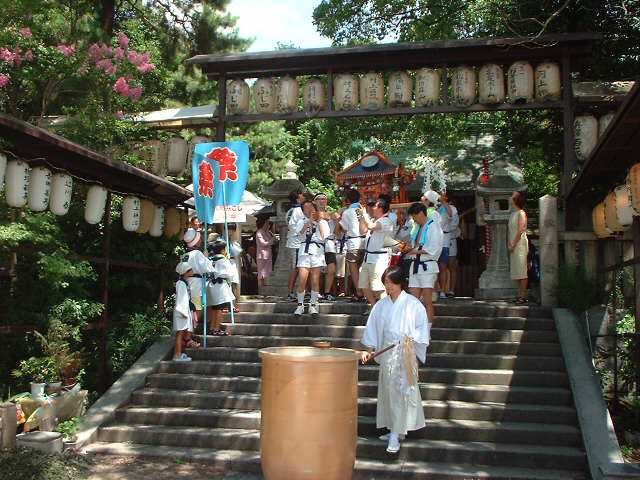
[55, 343]
[38, 371]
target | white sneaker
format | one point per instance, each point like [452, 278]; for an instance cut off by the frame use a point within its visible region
[313, 309]
[183, 358]
[394, 445]
[385, 437]
[443, 296]
[300, 310]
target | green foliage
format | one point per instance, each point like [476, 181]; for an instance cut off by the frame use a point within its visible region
[37, 370]
[68, 428]
[575, 290]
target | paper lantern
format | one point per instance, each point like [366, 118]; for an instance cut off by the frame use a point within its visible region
[17, 183]
[171, 222]
[400, 89]
[287, 94]
[624, 207]
[3, 169]
[177, 149]
[427, 89]
[599, 224]
[96, 201]
[548, 83]
[147, 209]
[464, 86]
[157, 156]
[158, 222]
[491, 84]
[313, 95]
[39, 189]
[131, 214]
[264, 93]
[520, 82]
[237, 97]
[61, 190]
[345, 92]
[610, 213]
[586, 135]
[372, 91]
[603, 123]
[192, 145]
[633, 180]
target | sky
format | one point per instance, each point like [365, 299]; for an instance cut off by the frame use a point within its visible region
[273, 21]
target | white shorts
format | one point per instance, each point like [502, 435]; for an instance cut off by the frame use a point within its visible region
[453, 248]
[311, 261]
[340, 265]
[371, 276]
[422, 280]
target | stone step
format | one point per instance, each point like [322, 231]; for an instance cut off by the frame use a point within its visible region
[436, 428]
[453, 409]
[215, 374]
[240, 460]
[453, 321]
[461, 334]
[477, 453]
[436, 346]
[438, 360]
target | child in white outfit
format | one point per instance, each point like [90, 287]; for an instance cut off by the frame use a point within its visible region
[183, 311]
[219, 294]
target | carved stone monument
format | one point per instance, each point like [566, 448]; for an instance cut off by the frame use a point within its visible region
[495, 282]
[278, 192]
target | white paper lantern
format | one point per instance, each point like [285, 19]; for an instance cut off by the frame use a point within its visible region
[61, 190]
[400, 89]
[548, 82]
[147, 210]
[603, 123]
[177, 149]
[158, 222]
[17, 183]
[313, 95]
[237, 97]
[264, 93]
[464, 86]
[633, 180]
[427, 90]
[39, 189]
[94, 208]
[172, 222]
[599, 224]
[586, 135]
[287, 94]
[157, 152]
[520, 82]
[491, 84]
[372, 91]
[610, 213]
[3, 169]
[624, 208]
[131, 214]
[345, 92]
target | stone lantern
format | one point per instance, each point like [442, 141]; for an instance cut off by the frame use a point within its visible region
[495, 282]
[278, 193]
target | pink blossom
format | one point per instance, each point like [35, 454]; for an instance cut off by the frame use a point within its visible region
[4, 80]
[66, 50]
[11, 57]
[119, 53]
[28, 55]
[146, 67]
[94, 51]
[122, 87]
[107, 51]
[120, 114]
[134, 57]
[26, 32]
[123, 40]
[106, 65]
[135, 93]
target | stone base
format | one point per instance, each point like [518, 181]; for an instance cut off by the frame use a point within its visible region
[274, 290]
[47, 442]
[495, 293]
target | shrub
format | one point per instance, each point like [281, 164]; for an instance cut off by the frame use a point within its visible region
[575, 290]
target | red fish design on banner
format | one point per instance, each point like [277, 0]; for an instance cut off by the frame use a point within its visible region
[220, 171]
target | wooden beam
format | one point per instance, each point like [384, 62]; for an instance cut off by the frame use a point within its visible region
[222, 109]
[105, 372]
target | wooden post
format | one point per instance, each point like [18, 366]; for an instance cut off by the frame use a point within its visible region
[636, 274]
[569, 157]
[105, 371]
[222, 108]
[8, 426]
[445, 85]
[330, 90]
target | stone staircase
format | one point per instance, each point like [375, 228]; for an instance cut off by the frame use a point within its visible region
[495, 394]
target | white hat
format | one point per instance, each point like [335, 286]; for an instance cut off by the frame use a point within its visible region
[182, 268]
[191, 237]
[432, 196]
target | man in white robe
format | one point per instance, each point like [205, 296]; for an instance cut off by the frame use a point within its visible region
[398, 319]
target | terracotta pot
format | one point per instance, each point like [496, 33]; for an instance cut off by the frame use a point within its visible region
[309, 413]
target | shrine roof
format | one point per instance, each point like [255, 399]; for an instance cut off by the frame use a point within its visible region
[357, 170]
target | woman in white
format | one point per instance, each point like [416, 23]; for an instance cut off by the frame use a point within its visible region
[313, 230]
[518, 244]
[401, 320]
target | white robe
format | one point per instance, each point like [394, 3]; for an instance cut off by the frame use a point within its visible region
[182, 315]
[399, 408]
[219, 293]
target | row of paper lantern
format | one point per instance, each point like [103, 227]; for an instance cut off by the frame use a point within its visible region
[587, 130]
[486, 86]
[615, 213]
[172, 157]
[38, 189]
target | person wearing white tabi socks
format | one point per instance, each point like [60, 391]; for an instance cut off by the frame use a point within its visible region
[398, 330]
[313, 230]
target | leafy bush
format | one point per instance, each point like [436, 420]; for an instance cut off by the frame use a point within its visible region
[37, 370]
[68, 428]
[575, 290]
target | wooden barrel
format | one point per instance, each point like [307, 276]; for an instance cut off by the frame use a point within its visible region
[309, 413]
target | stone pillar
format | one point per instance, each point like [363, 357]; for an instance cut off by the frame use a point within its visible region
[570, 253]
[549, 249]
[591, 259]
[495, 282]
[8, 426]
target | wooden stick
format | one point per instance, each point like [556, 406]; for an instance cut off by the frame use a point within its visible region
[380, 352]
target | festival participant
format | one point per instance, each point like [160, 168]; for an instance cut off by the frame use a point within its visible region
[454, 227]
[518, 246]
[445, 212]
[314, 230]
[350, 223]
[376, 256]
[329, 245]
[398, 319]
[341, 279]
[264, 240]
[293, 217]
[219, 294]
[425, 248]
[183, 312]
